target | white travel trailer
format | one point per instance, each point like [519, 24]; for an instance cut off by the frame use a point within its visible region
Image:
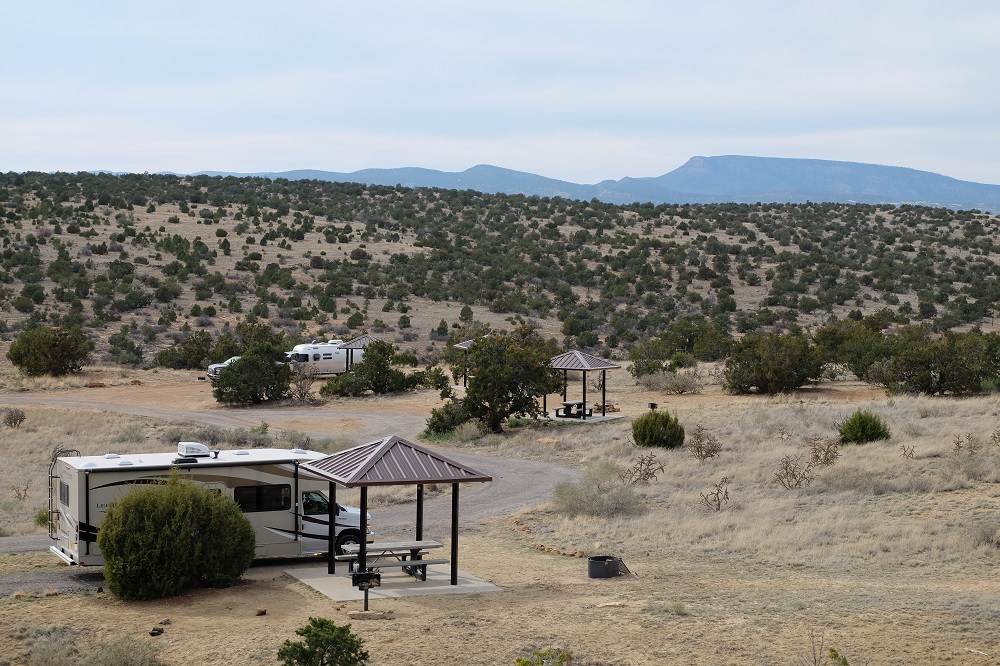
[287, 506]
[323, 358]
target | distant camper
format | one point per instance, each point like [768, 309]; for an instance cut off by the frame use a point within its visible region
[323, 359]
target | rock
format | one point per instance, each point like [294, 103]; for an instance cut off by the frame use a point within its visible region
[164, 621]
[94, 385]
[261, 611]
[156, 631]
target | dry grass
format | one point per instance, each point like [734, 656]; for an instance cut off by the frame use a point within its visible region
[872, 506]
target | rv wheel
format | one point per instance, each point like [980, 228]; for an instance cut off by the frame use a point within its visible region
[347, 538]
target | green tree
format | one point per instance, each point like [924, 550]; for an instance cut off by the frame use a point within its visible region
[373, 373]
[260, 375]
[356, 320]
[771, 363]
[852, 343]
[159, 540]
[508, 374]
[324, 644]
[51, 351]
[192, 352]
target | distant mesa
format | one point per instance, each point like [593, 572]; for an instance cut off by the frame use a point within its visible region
[721, 179]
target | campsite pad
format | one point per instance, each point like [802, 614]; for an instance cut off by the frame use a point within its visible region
[394, 583]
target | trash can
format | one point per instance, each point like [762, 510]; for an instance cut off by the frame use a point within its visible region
[603, 566]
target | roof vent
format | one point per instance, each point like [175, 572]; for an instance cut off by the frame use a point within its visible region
[241, 452]
[299, 452]
[124, 463]
[89, 464]
[111, 456]
[184, 460]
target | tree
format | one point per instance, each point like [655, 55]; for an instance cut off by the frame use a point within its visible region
[373, 373]
[771, 363]
[260, 375]
[159, 540]
[508, 374]
[192, 352]
[51, 351]
[325, 644]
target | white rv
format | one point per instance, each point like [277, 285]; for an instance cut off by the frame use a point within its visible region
[287, 506]
[323, 358]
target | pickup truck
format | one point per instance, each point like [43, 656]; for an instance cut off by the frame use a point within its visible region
[215, 368]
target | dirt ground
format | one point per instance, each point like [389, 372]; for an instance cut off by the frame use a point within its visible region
[680, 607]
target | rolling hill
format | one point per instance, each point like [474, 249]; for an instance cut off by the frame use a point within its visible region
[721, 179]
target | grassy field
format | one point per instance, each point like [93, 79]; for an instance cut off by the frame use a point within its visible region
[888, 553]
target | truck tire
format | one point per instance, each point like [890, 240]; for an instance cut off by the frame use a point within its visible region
[346, 537]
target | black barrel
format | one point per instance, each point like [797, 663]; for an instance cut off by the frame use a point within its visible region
[603, 566]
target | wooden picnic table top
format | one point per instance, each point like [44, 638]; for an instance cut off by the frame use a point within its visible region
[354, 548]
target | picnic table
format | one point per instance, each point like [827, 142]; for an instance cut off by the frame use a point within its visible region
[573, 409]
[408, 555]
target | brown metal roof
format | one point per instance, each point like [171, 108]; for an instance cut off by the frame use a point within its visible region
[577, 360]
[360, 342]
[392, 461]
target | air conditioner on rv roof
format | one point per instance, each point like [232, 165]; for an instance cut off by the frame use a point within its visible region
[193, 449]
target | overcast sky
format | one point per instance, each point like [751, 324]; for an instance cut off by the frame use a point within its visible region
[577, 90]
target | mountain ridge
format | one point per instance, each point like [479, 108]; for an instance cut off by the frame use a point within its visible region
[718, 179]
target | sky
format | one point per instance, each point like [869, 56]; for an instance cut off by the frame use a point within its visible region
[576, 90]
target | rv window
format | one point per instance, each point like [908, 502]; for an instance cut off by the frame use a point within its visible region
[315, 357]
[63, 493]
[314, 503]
[327, 355]
[263, 498]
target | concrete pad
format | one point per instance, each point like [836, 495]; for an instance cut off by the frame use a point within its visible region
[395, 583]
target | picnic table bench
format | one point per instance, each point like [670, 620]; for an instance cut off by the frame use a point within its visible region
[408, 555]
[573, 409]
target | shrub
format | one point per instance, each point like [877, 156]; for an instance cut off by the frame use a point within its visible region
[600, 492]
[704, 445]
[52, 645]
[160, 540]
[658, 429]
[13, 417]
[772, 364]
[669, 382]
[447, 417]
[863, 426]
[51, 351]
[325, 643]
[126, 651]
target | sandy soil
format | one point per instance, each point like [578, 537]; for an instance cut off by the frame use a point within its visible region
[679, 608]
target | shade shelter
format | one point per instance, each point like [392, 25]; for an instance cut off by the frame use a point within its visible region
[394, 461]
[361, 342]
[578, 360]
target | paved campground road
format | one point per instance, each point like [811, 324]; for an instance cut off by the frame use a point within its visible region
[516, 484]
